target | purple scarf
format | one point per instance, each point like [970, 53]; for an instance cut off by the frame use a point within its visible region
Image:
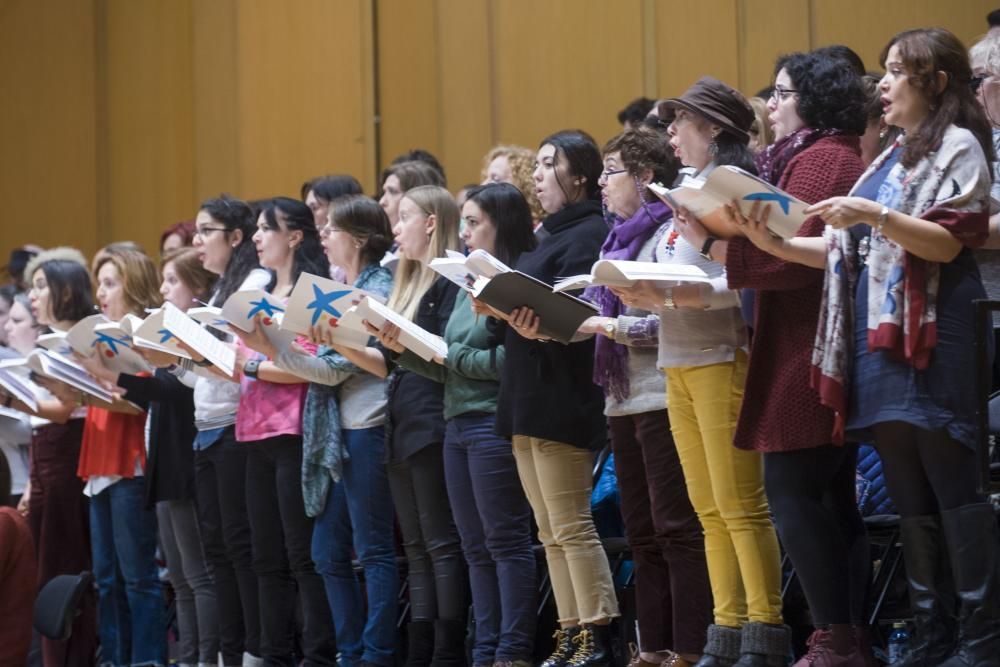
[624, 242]
[771, 161]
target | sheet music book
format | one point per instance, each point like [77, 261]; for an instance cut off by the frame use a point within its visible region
[411, 336]
[198, 339]
[705, 198]
[151, 334]
[322, 302]
[625, 273]
[14, 378]
[211, 316]
[98, 335]
[464, 270]
[243, 306]
[55, 342]
[55, 366]
[561, 314]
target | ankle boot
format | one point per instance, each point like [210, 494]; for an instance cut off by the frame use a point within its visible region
[834, 646]
[764, 645]
[971, 535]
[593, 647]
[932, 591]
[449, 643]
[420, 643]
[564, 648]
[722, 649]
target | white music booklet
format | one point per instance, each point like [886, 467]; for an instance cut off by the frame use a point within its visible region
[414, 338]
[199, 339]
[625, 273]
[321, 302]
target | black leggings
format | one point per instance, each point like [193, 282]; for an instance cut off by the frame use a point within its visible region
[812, 497]
[927, 472]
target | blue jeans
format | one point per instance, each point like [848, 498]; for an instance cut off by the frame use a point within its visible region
[132, 624]
[494, 522]
[358, 513]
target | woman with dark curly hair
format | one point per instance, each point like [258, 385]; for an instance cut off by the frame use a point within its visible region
[817, 111]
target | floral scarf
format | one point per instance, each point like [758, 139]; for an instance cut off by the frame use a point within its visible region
[624, 242]
[950, 187]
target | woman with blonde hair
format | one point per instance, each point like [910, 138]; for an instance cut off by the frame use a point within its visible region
[426, 227]
[515, 165]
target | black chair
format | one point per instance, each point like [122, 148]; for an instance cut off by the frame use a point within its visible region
[58, 604]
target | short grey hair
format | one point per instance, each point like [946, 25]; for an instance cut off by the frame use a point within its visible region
[985, 53]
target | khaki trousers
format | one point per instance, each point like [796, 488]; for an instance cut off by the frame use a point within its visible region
[557, 479]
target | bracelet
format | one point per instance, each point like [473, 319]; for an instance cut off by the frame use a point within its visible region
[668, 299]
[883, 217]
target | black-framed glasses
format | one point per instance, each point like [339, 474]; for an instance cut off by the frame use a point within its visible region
[976, 82]
[205, 232]
[611, 172]
[780, 93]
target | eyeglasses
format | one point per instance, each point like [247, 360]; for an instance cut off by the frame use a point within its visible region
[205, 232]
[780, 93]
[607, 173]
[978, 81]
[328, 229]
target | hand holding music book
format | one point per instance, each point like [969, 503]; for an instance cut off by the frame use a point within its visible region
[625, 273]
[414, 338]
[320, 302]
[706, 198]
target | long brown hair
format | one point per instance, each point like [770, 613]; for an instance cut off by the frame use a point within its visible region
[925, 52]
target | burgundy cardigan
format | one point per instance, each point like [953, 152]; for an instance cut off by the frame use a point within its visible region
[781, 411]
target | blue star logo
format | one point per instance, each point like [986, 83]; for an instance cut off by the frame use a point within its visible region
[264, 306]
[783, 200]
[164, 335]
[110, 341]
[323, 302]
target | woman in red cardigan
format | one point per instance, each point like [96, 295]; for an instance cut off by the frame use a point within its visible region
[817, 111]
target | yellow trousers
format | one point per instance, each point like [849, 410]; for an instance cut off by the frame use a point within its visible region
[726, 487]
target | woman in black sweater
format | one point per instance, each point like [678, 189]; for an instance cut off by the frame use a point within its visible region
[552, 410]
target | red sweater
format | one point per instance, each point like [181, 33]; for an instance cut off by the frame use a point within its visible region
[781, 412]
[18, 584]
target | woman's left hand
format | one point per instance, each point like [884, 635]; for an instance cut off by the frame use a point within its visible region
[845, 212]
[388, 336]
[257, 339]
[526, 323]
[690, 228]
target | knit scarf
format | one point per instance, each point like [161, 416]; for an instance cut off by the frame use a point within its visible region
[624, 242]
[949, 187]
[771, 161]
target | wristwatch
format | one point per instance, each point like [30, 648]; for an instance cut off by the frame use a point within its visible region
[611, 328]
[706, 248]
[668, 299]
[251, 367]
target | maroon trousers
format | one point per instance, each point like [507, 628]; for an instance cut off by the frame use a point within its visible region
[60, 525]
[673, 597]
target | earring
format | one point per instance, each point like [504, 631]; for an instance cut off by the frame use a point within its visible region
[357, 244]
[713, 148]
[641, 190]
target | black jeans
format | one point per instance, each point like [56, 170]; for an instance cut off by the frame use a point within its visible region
[437, 573]
[282, 544]
[220, 485]
[812, 496]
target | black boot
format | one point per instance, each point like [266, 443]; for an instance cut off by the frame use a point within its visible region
[971, 534]
[564, 647]
[449, 643]
[722, 648]
[932, 592]
[593, 647]
[764, 645]
[420, 643]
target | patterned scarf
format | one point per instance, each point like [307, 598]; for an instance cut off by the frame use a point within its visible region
[949, 187]
[624, 242]
[771, 161]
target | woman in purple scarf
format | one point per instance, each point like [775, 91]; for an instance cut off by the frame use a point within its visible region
[673, 598]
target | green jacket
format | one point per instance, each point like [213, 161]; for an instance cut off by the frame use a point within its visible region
[471, 373]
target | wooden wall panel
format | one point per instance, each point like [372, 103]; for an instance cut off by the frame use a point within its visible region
[565, 64]
[866, 26]
[301, 88]
[769, 28]
[149, 139]
[696, 39]
[48, 147]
